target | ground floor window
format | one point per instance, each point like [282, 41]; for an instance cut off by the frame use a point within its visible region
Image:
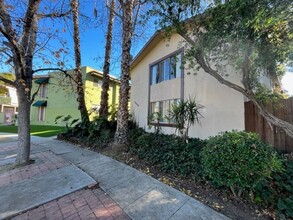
[41, 114]
[159, 111]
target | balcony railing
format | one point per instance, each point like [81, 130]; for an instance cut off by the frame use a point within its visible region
[5, 100]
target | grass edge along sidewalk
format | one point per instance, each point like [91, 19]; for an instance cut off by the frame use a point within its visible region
[37, 130]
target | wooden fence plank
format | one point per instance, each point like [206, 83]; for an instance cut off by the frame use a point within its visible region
[254, 122]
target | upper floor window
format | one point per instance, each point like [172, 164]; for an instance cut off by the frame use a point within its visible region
[96, 83]
[166, 69]
[43, 91]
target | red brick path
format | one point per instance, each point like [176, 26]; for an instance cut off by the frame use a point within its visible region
[82, 204]
[48, 161]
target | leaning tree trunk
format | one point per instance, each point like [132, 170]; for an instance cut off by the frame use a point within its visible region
[122, 118]
[103, 111]
[78, 72]
[269, 117]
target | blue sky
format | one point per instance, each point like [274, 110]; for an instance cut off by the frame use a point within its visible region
[92, 34]
[92, 40]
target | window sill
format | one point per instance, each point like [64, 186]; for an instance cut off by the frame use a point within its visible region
[163, 124]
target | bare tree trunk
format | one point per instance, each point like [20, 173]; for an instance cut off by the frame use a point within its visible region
[78, 73]
[23, 150]
[122, 118]
[23, 49]
[20, 39]
[103, 111]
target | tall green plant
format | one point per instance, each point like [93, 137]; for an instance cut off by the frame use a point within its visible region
[67, 120]
[156, 118]
[185, 114]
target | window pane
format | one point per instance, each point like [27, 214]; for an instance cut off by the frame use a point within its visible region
[172, 67]
[160, 72]
[43, 90]
[41, 113]
[154, 72]
[165, 110]
[167, 69]
[178, 65]
[155, 107]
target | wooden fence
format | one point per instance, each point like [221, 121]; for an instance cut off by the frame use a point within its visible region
[271, 134]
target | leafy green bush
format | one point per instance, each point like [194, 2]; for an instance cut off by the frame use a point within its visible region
[238, 160]
[99, 131]
[277, 192]
[168, 152]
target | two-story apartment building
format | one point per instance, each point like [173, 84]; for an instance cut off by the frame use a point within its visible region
[56, 96]
[159, 78]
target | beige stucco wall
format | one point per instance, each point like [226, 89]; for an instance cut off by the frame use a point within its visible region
[165, 90]
[223, 107]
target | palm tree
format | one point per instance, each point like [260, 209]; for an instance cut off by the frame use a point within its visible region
[103, 111]
[122, 117]
[78, 73]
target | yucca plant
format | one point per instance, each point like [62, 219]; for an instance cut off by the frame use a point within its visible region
[185, 114]
[156, 118]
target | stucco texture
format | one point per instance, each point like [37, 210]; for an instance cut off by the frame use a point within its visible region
[223, 107]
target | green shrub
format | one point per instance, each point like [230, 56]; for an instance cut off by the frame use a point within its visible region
[277, 192]
[238, 160]
[169, 152]
[99, 131]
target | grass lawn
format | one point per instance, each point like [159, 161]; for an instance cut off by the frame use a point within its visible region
[37, 130]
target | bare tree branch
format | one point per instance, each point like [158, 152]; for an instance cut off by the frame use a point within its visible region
[28, 22]
[54, 15]
[35, 93]
[136, 16]
[56, 69]
[10, 82]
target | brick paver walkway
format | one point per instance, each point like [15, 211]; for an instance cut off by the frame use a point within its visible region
[82, 204]
[45, 161]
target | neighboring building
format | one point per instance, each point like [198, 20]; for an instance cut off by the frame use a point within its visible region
[57, 96]
[8, 106]
[158, 80]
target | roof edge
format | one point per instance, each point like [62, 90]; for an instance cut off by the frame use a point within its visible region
[158, 35]
[99, 73]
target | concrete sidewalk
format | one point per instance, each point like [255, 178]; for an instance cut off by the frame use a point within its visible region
[139, 195]
[50, 188]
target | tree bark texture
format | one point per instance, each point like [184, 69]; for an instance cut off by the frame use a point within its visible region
[123, 114]
[78, 72]
[23, 150]
[104, 111]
